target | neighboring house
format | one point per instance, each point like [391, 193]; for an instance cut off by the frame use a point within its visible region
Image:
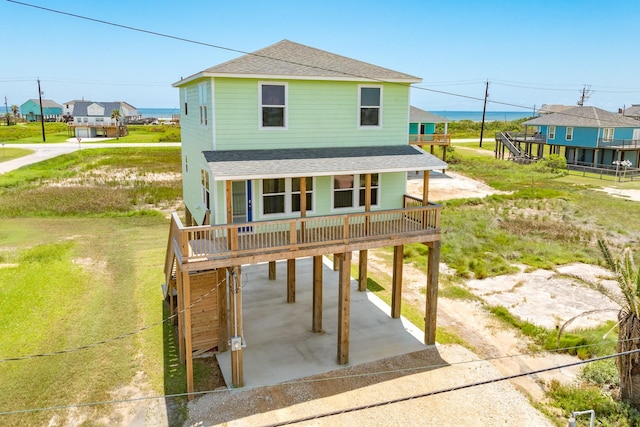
[552, 108]
[51, 110]
[422, 122]
[633, 112]
[422, 130]
[291, 152]
[93, 119]
[589, 136]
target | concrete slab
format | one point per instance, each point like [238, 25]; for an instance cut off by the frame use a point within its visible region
[279, 343]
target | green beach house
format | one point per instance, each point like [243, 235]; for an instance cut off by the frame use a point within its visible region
[293, 152]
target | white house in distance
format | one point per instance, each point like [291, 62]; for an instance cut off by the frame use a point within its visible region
[93, 119]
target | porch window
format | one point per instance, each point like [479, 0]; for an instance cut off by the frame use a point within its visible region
[273, 196]
[552, 132]
[295, 194]
[282, 195]
[374, 189]
[569, 133]
[370, 102]
[607, 134]
[349, 190]
[273, 105]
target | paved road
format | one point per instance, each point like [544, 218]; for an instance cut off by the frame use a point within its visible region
[48, 151]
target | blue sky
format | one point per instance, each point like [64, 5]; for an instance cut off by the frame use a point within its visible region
[532, 52]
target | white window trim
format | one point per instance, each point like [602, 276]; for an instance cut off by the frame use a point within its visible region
[286, 105]
[205, 185]
[569, 135]
[288, 192]
[202, 104]
[356, 189]
[552, 135]
[379, 125]
[606, 137]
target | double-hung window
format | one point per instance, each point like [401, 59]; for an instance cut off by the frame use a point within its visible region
[273, 105]
[202, 103]
[283, 195]
[552, 132]
[607, 134]
[569, 133]
[349, 191]
[370, 105]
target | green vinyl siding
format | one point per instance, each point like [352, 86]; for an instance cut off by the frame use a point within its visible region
[196, 138]
[320, 114]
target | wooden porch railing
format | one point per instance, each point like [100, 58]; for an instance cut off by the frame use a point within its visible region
[430, 139]
[192, 244]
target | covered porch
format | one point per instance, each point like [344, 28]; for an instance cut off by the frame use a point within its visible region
[230, 248]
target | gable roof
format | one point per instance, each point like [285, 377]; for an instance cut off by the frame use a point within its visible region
[585, 117]
[46, 103]
[290, 60]
[416, 115]
[633, 111]
[80, 108]
[261, 164]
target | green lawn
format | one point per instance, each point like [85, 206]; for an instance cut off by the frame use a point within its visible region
[75, 271]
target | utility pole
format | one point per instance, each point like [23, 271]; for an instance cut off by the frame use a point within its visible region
[44, 138]
[6, 109]
[586, 93]
[484, 111]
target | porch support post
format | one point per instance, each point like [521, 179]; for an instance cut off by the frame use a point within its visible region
[396, 287]
[229, 204]
[362, 270]
[272, 270]
[344, 307]
[425, 188]
[291, 280]
[595, 157]
[235, 300]
[303, 206]
[317, 294]
[431, 310]
[336, 262]
[223, 321]
[188, 345]
[180, 287]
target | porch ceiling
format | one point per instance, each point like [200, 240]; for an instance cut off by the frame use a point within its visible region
[279, 163]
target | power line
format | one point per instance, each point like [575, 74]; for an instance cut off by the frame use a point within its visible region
[348, 410]
[113, 339]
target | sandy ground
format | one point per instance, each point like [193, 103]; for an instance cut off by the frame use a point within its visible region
[540, 297]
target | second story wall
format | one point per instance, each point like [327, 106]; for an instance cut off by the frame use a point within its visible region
[316, 114]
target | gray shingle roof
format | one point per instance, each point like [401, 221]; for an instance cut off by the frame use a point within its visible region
[280, 163]
[416, 115]
[294, 60]
[80, 108]
[587, 117]
[47, 103]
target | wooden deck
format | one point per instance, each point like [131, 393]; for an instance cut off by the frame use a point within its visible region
[207, 247]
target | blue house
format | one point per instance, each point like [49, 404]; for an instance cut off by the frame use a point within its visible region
[422, 130]
[51, 110]
[589, 136]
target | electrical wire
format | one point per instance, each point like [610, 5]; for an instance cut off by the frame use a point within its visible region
[113, 339]
[215, 46]
[333, 413]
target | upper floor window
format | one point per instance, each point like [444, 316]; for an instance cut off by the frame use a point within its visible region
[202, 103]
[184, 97]
[569, 133]
[552, 132]
[607, 134]
[349, 191]
[273, 105]
[370, 104]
